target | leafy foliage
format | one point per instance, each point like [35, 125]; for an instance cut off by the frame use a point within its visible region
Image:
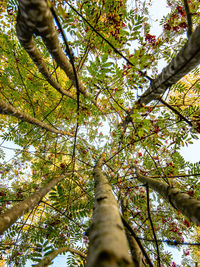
[152, 140]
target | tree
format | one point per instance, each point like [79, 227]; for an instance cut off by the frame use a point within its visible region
[81, 101]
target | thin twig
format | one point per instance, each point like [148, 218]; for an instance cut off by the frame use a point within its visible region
[176, 112]
[152, 226]
[189, 18]
[71, 58]
[62, 213]
[108, 42]
[171, 242]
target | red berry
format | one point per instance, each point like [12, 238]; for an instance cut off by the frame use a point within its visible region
[191, 193]
[167, 27]
[62, 165]
[186, 222]
[175, 28]
[186, 252]
[180, 10]
[183, 25]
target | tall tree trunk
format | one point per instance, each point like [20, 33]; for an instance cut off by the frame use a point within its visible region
[108, 245]
[8, 109]
[36, 17]
[188, 205]
[11, 215]
[187, 59]
[47, 260]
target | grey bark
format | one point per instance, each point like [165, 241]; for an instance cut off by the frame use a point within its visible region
[11, 215]
[47, 260]
[188, 205]
[8, 109]
[108, 245]
[186, 60]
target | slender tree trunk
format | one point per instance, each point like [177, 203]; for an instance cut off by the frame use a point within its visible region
[47, 260]
[189, 206]
[108, 244]
[36, 56]
[11, 215]
[36, 17]
[134, 248]
[186, 60]
[129, 228]
[8, 109]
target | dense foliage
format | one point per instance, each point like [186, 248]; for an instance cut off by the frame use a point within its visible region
[152, 140]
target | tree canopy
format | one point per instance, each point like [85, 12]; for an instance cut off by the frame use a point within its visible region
[98, 127]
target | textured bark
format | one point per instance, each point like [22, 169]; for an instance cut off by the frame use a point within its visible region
[135, 250]
[11, 215]
[35, 55]
[134, 247]
[129, 228]
[186, 60]
[189, 206]
[35, 17]
[8, 109]
[108, 244]
[47, 260]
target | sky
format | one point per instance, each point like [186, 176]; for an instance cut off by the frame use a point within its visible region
[190, 153]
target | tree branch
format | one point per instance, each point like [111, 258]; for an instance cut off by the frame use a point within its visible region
[189, 18]
[47, 260]
[8, 109]
[188, 205]
[176, 112]
[152, 226]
